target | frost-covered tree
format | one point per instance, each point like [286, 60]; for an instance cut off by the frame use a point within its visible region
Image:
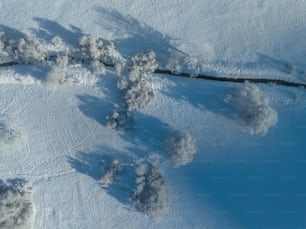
[181, 149]
[118, 119]
[150, 195]
[16, 208]
[25, 50]
[99, 53]
[137, 92]
[111, 167]
[252, 109]
[30, 50]
[144, 63]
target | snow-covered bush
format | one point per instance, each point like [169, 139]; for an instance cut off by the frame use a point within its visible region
[16, 208]
[111, 167]
[59, 72]
[252, 109]
[64, 73]
[181, 149]
[150, 195]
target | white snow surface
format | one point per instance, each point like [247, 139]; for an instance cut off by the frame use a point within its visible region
[235, 180]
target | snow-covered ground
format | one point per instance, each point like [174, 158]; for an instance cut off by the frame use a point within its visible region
[236, 179]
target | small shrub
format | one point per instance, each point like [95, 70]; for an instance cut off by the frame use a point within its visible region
[181, 149]
[150, 195]
[9, 136]
[252, 109]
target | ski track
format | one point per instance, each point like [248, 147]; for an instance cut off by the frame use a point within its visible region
[33, 173]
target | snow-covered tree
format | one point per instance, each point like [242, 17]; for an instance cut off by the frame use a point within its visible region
[30, 50]
[16, 208]
[111, 167]
[137, 92]
[118, 119]
[144, 63]
[150, 195]
[252, 109]
[181, 149]
[25, 50]
[99, 53]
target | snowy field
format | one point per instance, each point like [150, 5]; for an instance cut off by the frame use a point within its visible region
[92, 137]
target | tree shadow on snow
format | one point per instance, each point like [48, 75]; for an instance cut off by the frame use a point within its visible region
[37, 71]
[98, 108]
[280, 65]
[48, 29]
[12, 33]
[148, 135]
[201, 94]
[261, 194]
[132, 36]
[93, 165]
[94, 107]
